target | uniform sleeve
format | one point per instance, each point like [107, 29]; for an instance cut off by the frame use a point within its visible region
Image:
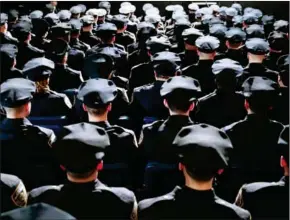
[239, 199]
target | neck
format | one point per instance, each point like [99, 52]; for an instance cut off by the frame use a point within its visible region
[206, 58]
[255, 61]
[91, 178]
[173, 113]
[120, 31]
[98, 118]
[12, 116]
[198, 185]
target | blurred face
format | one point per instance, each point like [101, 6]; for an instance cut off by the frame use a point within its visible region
[4, 28]
[53, 3]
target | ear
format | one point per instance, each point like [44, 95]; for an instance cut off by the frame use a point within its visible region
[191, 107]
[109, 108]
[27, 107]
[165, 103]
[180, 167]
[198, 52]
[62, 167]
[214, 54]
[247, 106]
[220, 171]
[283, 162]
[227, 44]
[100, 166]
[85, 108]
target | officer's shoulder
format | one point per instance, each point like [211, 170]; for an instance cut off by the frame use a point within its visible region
[10, 180]
[55, 94]
[35, 49]
[260, 186]
[234, 125]
[164, 199]
[137, 67]
[44, 189]
[38, 130]
[123, 194]
[277, 124]
[119, 46]
[242, 213]
[207, 97]
[143, 88]
[129, 34]
[75, 72]
[153, 125]
[188, 67]
[121, 130]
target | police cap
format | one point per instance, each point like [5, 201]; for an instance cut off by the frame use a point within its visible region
[36, 14]
[232, 12]
[8, 50]
[283, 143]
[281, 25]
[259, 85]
[101, 12]
[187, 86]
[64, 15]
[215, 20]
[207, 44]
[113, 52]
[190, 35]
[154, 18]
[80, 147]
[235, 35]
[83, 8]
[75, 59]
[127, 9]
[166, 63]
[52, 19]
[61, 30]
[203, 146]
[97, 92]
[87, 20]
[248, 10]
[255, 31]
[120, 20]
[278, 41]
[98, 65]
[227, 66]
[257, 46]
[40, 26]
[21, 27]
[268, 20]
[57, 48]
[238, 21]
[257, 12]
[206, 11]
[4, 18]
[75, 10]
[238, 7]
[109, 28]
[93, 12]
[76, 25]
[13, 14]
[152, 10]
[147, 6]
[38, 211]
[250, 18]
[158, 43]
[193, 7]
[16, 92]
[215, 8]
[38, 68]
[145, 30]
[105, 5]
[206, 19]
[218, 31]
[222, 11]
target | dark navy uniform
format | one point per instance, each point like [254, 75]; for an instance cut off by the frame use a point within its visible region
[143, 74]
[8, 53]
[254, 135]
[4, 37]
[26, 147]
[195, 144]
[202, 69]
[268, 199]
[224, 106]
[26, 51]
[37, 212]
[75, 41]
[258, 46]
[13, 192]
[63, 77]
[39, 69]
[88, 37]
[78, 154]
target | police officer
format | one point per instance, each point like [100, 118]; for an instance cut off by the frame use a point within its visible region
[249, 19]
[98, 97]
[13, 191]
[52, 20]
[143, 73]
[123, 37]
[235, 39]
[257, 49]
[206, 49]
[61, 31]
[177, 39]
[13, 15]
[107, 6]
[5, 38]
[190, 56]
[75, 12]
[255, 31]
[192, 8]
[64, 15]
[75, 59]
[37, 211]
[268, 23]
[196, 145]
[138, 52]
[63, 77]
[22, 31]
[26, 147]
[269, 199]
[253, 135]
[231, 13]
[223, 106]
[87, 35]
[282, 26]
[8, 53]
[40, 30]
[81, 157]
[101, 16]
[146, 100]
[279, 46]
[39, 71]
[219, 31]
[75, 41]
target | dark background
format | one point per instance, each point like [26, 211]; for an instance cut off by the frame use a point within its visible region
[280, 9]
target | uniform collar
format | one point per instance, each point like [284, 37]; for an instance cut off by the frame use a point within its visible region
[103, 124]
[88, 185]
[15, 122]
[197, 194]
[256, 66]
[205, 62]
[179, 119]
[256, 117]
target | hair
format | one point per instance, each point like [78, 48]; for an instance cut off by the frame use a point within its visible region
[226, 80]
[178, 101]
[201, 174]
[260, 103]
[106, 37]
[82, 175]
[15, 110]
[42, 85]
[9, 62]
[22, 36]
[98, 110]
